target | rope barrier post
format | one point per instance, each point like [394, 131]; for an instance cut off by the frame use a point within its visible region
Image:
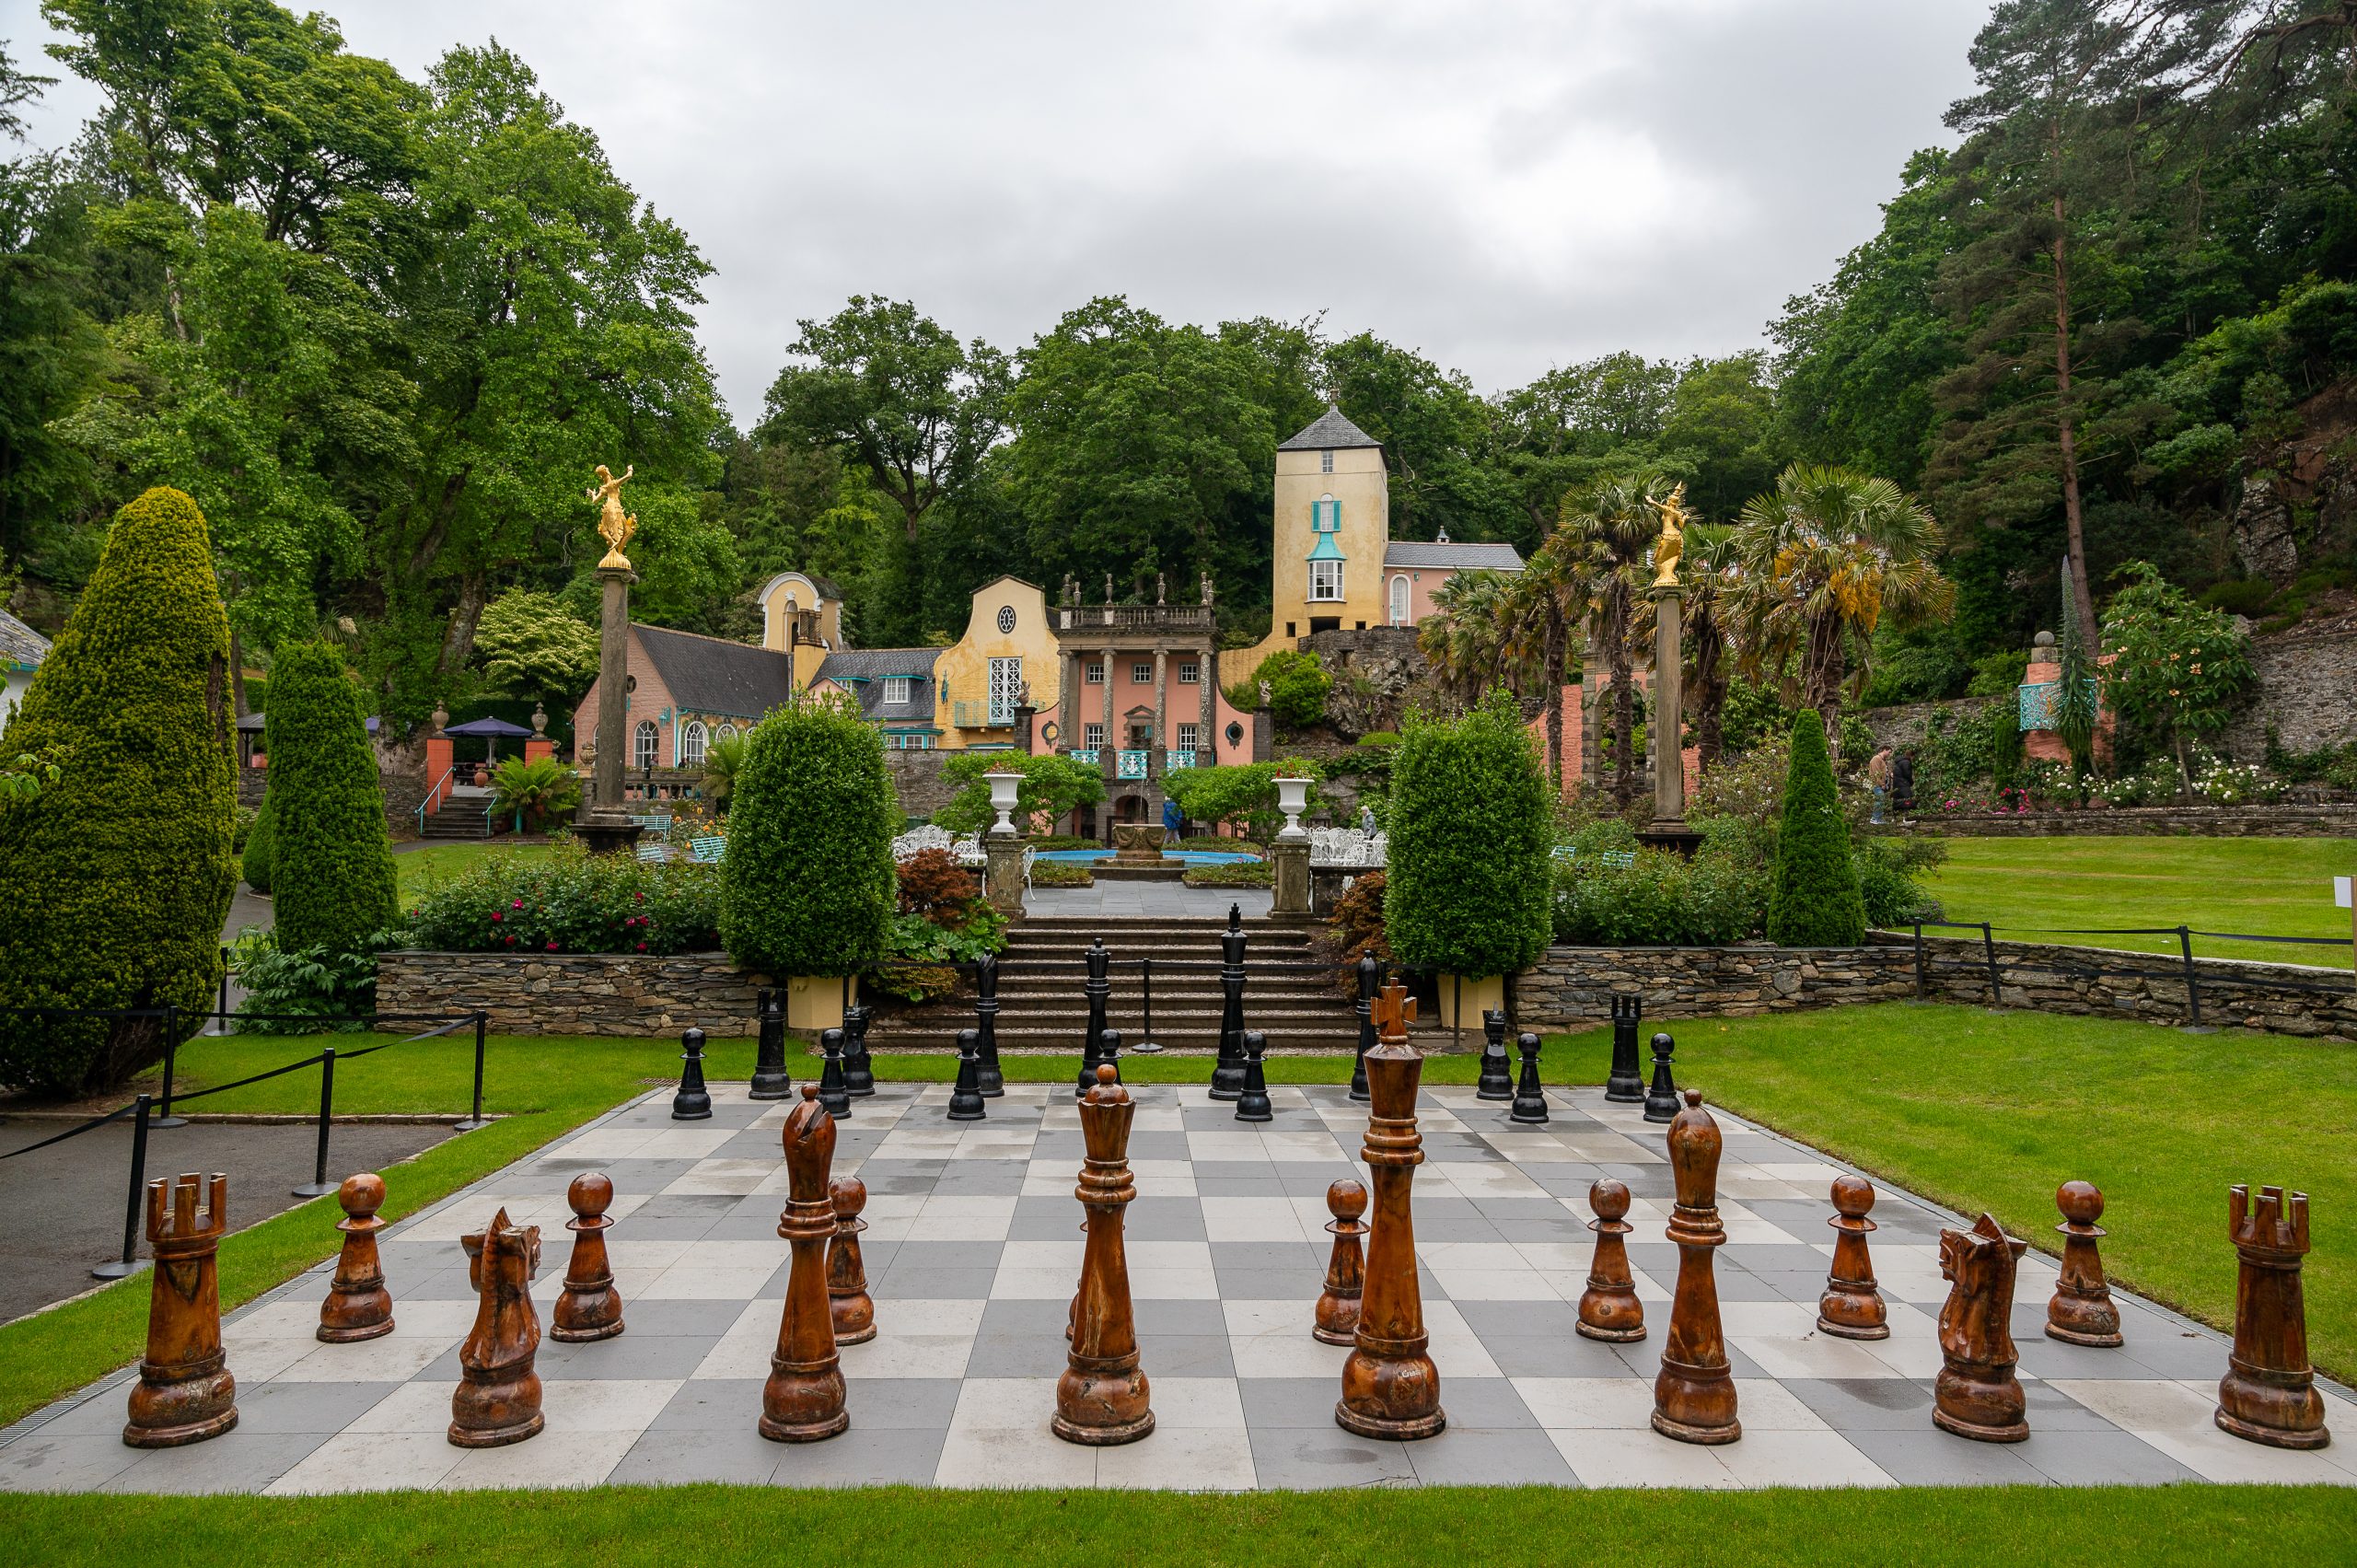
[2192, 984]
[320, 1186]
[1923, 977]
[164, 1117]
[1457, 1011]
[116, 1267]
[1988, 950]
[221, 1023]
[474, 1118]
[1147, 1045]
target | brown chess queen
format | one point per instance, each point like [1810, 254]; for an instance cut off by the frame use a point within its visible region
[848, 1302]
[1694, 1399]
[1390, 1387]
[358, 1305]
[1852, 1307]
[591, 1308]
[2081, 1312]
[185, 1393]
[2269, 1394]
[1977, 1394]
[804, 1398]
[1102, 1398]
[1337, 1305]
[498, 1398]
[1609, 1310]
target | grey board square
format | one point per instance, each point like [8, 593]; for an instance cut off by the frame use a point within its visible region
[1165, 1219]
[1487, 1403]
[1568, 1356]
[627, 1355]
[904, 1282]
[660, 1320]
[236, 1461]
[1236, 1170]
[1179, 1316]
[1569, 1180]
[1470, 1456]
[1511, 1319]
[1240, 1186]
[901, 1176]
[864, 1456]
[1867, 1404]
[2101, 1456]
[1925, 1455]
[1026, 1355]
[1309, 1458]
[981, 1179]
[734, 1453]
[711, 1404]
[1018, 1317]
[948, 1254]
[1288, 1402]
[322, 1408]
[1181, 1355]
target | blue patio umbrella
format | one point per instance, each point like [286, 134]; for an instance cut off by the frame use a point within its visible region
[492, 732]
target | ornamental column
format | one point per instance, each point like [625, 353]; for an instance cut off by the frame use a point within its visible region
[605, 827]
[1161, 706]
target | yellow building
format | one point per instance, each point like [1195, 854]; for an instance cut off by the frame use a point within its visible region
[808, 608]
[962, 697]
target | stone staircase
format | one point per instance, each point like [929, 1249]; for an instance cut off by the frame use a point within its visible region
[1288, 996]
[461, 817]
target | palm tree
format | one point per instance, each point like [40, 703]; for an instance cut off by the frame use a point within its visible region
[1468, 641]
[1827, 556]
[1711, 578]
[721, 759]
[1608, 529]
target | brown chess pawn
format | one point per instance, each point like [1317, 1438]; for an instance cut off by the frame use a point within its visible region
[1102, 1398]
[2269, 1394]
[591, 1308]
[803, 1399]
[498, 1398]
[2082, 1312]
[1694, 1397]
[847, 1299]
[1852, 1307]
[1337, 1306]
[358, 1305]
[1390, 1387]
[1609, 1307]
[1977, 1394]
[184, 1393]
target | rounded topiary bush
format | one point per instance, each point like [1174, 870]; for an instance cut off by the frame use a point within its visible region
[808, 886]
[1468, 886]
[120, 874]
[1813, 899]
[254, 865]
[331, 868]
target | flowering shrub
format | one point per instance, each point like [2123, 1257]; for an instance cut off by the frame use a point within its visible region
[2237, 783]
[572, 901]
[2013, 798]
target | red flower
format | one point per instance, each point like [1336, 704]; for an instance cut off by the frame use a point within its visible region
[517, 904]
[511, 939]
[642, 947]
[640, 897]
[551, 944]
[496, 917]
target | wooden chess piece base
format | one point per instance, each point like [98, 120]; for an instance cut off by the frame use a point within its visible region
[185, 1393]
[358, 1305]
[1706, 1394]
[1337, 1305]
[1609, 1307]
[1852, 1307]
[2082, 1311]
[589, 1308]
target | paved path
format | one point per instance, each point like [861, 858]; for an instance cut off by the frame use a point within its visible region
[972, 1250]
[1146, 899]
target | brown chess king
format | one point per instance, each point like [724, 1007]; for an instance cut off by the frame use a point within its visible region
[1337, 1304]
[1101, 1399]
[847, 1299]
[2081, 1311]
[358, 1305]
[589, 1308]
[2269, 1394]
[1694, 1395]
[803, 1399]
[1390, 1387]
[498, 1398]
[1852, 1307]
[1609, 1310]
[184, 1393]
[1977, 1394]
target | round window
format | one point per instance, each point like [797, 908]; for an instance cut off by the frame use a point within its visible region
[1005, 619]
[1235, 733]
[1049, 732]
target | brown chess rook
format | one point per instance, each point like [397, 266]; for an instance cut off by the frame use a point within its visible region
[2269, 1394]
[1338, 1305]
[498, 1398]
[1976, 1394]
[1694, 1395]
[1852, 1307]
[1609, 1307]
[803, 1399]
[847, 1299]
[1390, 1387]
[1101, 1399]
[184, 1393]
[358, 1305]
[591, 1308]
[2082, 1312]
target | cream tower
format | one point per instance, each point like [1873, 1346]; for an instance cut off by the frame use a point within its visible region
[1333, 525]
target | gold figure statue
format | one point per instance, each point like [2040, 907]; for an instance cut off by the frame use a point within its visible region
[613, 525]
[1672, 543]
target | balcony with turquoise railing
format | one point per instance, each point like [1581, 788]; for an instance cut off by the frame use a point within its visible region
[1130, 764]
[1088, 755]
[1176, 761]
[981, 716]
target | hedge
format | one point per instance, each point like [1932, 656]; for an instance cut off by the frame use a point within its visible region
[332, 883]
[120, 874]
[254, 865]
[808, 886]
[1470, 837]
[1813, 899]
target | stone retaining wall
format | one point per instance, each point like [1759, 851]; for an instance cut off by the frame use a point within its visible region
[574, 993]
[2306, 822]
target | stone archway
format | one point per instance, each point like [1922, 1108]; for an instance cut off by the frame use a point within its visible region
[1129, 808]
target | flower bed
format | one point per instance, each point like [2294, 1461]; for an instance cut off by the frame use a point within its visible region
[570, 902]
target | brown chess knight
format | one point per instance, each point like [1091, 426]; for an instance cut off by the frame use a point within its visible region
[498, 1398]
[1977, 1394]
[185, 1393]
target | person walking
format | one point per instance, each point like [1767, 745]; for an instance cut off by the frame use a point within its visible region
[1878, 780]
[1172, 821]
[1902, 782]
[1366, 820]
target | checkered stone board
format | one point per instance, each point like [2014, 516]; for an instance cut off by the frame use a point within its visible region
[973, 1248]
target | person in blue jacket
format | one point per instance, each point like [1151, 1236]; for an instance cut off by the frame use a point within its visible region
[1172, 821]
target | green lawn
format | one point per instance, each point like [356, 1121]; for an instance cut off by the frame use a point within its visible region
[1460, 1527]
[2262, 886]
[421, 868]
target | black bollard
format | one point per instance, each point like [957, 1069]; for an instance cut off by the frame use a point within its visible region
[1370, 981]
[1252, 1098]
[771, 1080]
[1497, 1072]
[859, 1068]
[1109, 1055]
[966, 1098]
[834, 1094]
[1661, 1100]
[1227, 1072]
[1098, 987]
[692, 1103]
[1627, 1083]
[988, 1078]
[1529, 1100]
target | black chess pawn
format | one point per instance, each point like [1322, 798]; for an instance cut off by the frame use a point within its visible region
[693, 1102]
[1661, 1100]
[1098, 988]
[771, 1080]
[1370, 981]
[992, 1082]
[1529, 1100]
[859, 1068]
[834, 1096]
[1110, 1054]
[1626, 1085]
[1252, 1099]
[1497, 1073]
[966, 1099]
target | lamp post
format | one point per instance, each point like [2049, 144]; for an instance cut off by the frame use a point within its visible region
[1291, 852]
[1003, 847]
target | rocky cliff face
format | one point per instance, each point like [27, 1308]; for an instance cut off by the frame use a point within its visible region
[2301, 507]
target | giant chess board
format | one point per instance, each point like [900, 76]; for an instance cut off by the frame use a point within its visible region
[973, 1250]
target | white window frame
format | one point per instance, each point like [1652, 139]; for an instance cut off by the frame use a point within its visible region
[1191, 737]
[899, 690]
[1326, 460]
[1191, 672]
[1096, 673]
[1141, 673]
[1326, 581]
[691, 744]
[726, 732]
[1005, 679]
[646, 746]
[1092, 736]
[1401, 598]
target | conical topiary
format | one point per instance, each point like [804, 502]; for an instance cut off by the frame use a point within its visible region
[1815, 900]
[119, 875]
[254, 865]
[331, 875]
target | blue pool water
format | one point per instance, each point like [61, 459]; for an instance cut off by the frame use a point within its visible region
[1189, 856]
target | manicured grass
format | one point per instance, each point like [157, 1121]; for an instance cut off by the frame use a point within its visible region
[1458, 1527]
[2261, 887]
[421, 868]
[1994, 1110]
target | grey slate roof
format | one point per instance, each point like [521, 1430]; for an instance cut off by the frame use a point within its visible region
[1329, 431]
[21, 647]
[709, 675]
[1447, 553]
[863, 671]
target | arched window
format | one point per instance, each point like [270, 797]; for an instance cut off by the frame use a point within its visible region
[1399, 600]
[644, 743]
[726, 732]
[691, 745]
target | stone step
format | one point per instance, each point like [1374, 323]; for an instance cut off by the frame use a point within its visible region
[1027, 1037]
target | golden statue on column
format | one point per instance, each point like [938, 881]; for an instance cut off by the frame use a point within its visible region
[1671, 546]
[612, 527]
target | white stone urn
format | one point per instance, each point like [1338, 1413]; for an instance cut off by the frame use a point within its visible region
[1003, 788]
[1293, 798]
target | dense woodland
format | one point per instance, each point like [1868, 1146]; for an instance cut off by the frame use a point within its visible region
[381, 330]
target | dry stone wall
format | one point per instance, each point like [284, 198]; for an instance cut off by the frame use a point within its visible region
[575, 993]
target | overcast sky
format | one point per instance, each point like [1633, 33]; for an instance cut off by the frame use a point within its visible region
[1503, 186]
